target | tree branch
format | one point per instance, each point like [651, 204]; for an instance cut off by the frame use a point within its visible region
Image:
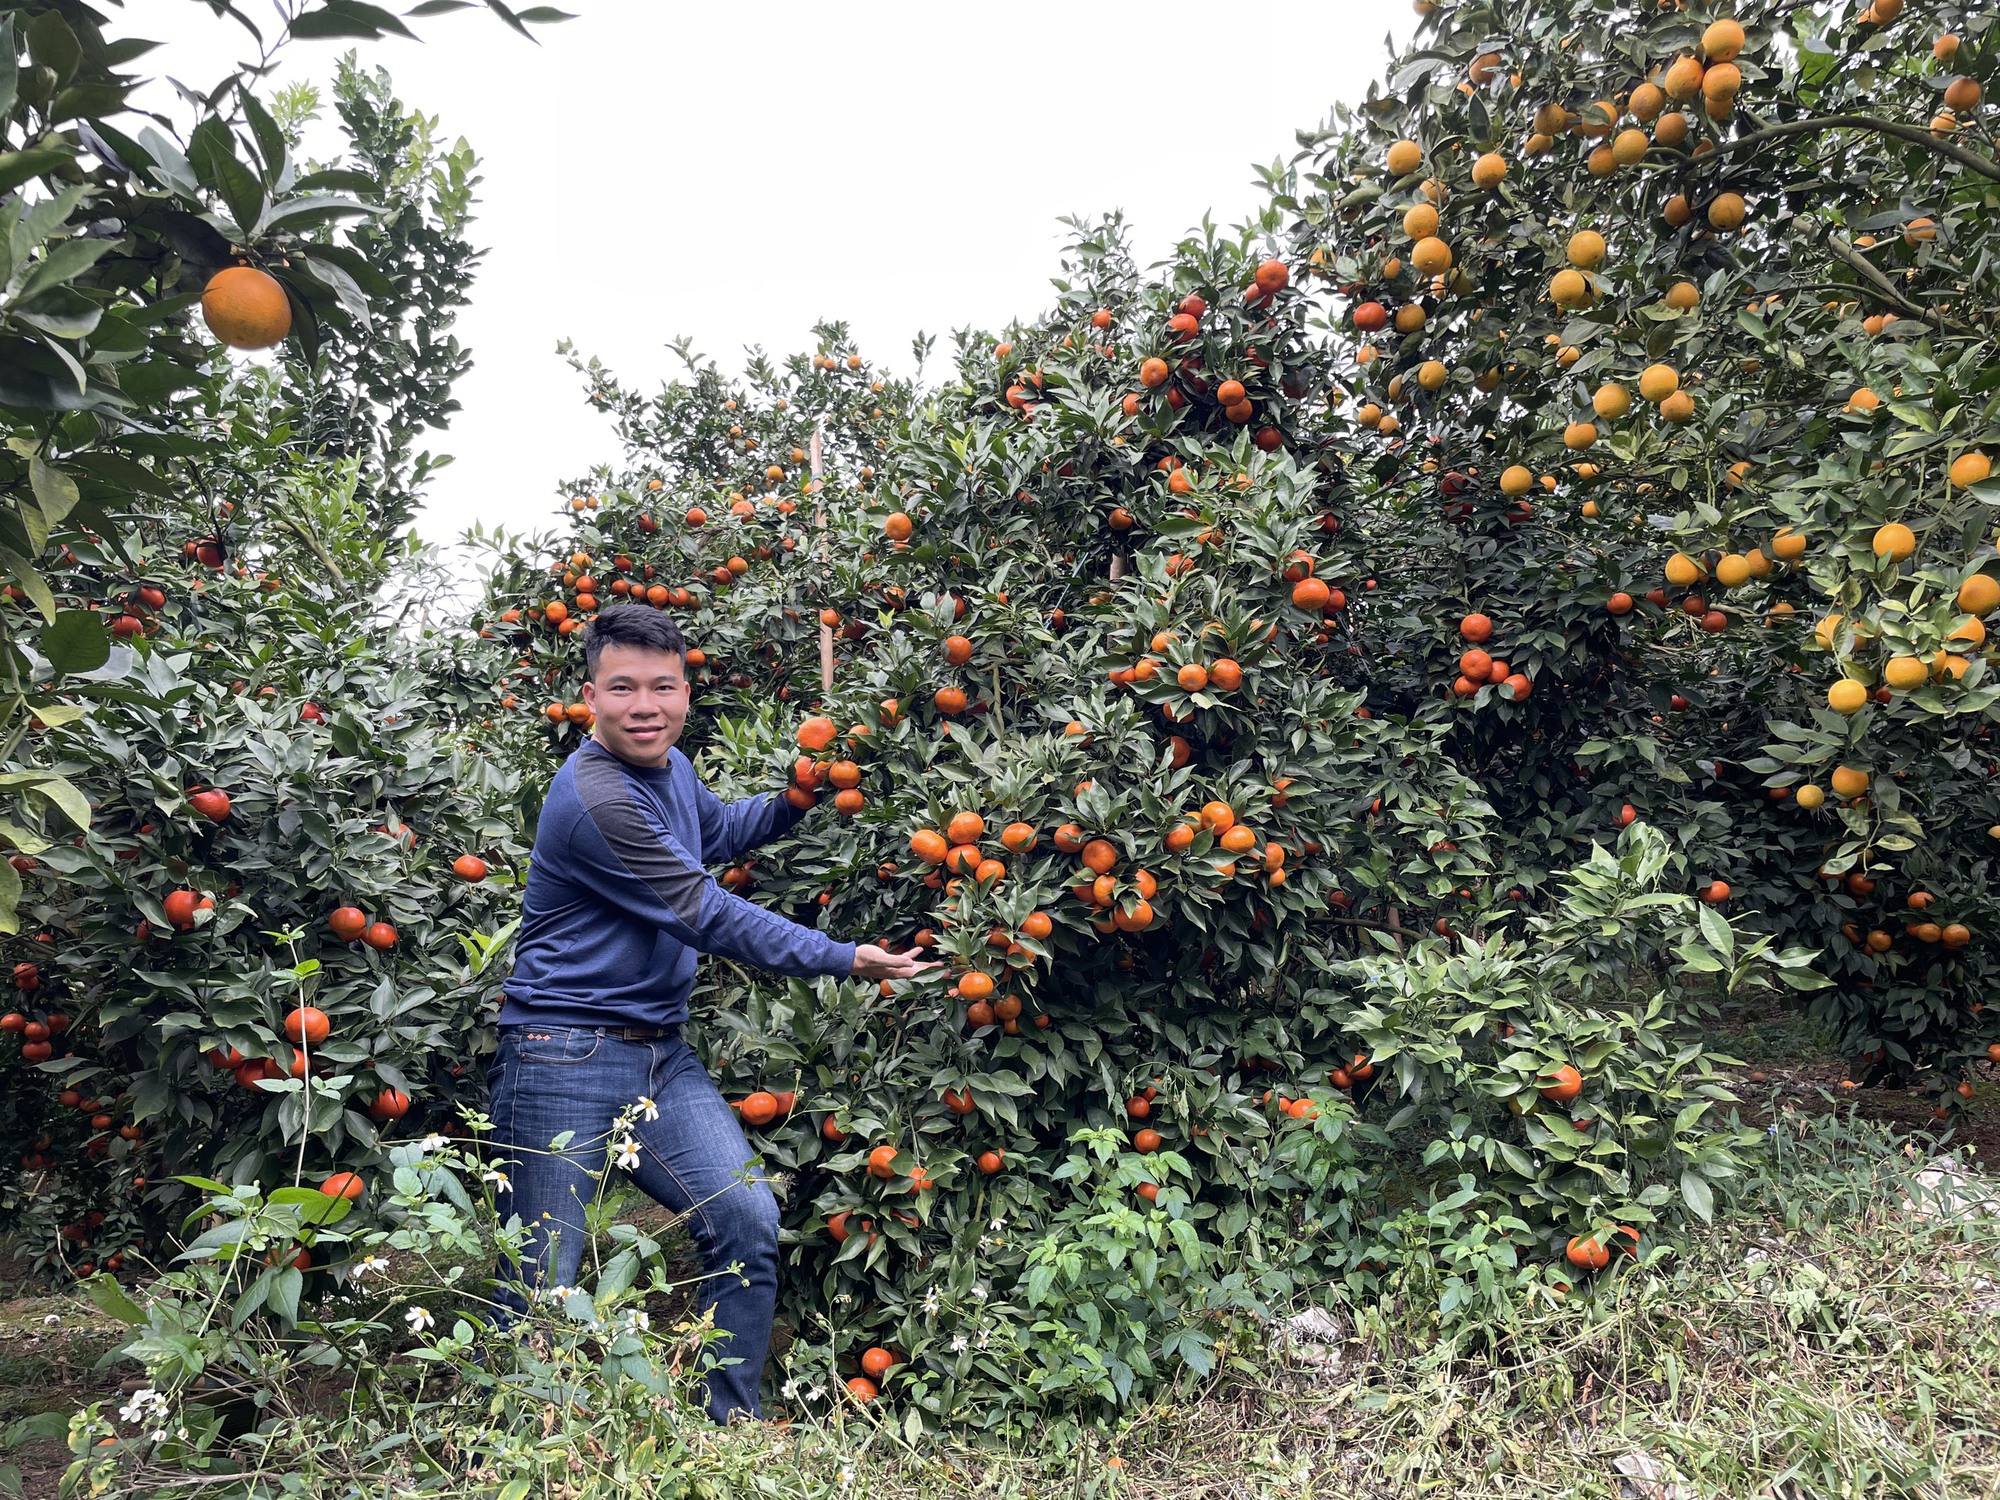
[1915, 135]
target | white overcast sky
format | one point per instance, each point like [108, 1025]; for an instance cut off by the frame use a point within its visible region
[733, 172]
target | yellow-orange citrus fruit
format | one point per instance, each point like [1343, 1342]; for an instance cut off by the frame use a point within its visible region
[1970, 468]
[1569, 288]
[1979, 594]
[1431, 256]
[1722, 40]
[246, 308]
[1905, 672]
[1894, 541]
[1847, 696]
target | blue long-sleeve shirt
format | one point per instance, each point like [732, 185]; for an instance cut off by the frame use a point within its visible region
[619, 902]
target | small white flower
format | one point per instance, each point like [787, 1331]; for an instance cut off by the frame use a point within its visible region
[159, 1434]
[931, 1302]
[369, 1265]
[639, 1320]
[499, 1180]
[986, 1242]
[146, 1405]
[432, 1143]
[628, 1154]
[997, 1225]
[790, 1389]
[985, 1336]
[648, 1110]
[419, 1318]
[959, 1344]
[979, 1292]
[51, 1320]
[846, 1475]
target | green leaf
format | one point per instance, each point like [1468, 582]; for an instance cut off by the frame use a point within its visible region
[212, 153]
[36, 587]
[349, 18]
[54, 46]
[312, 1206]
[10, 898]
[55, 491]
[76, 641]
[17, 167]
[1715, 928]
[284, 1294]
[1699, 1197]
[270, 139]
[111, 1299]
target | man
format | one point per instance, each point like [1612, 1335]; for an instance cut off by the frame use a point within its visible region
[618, 906]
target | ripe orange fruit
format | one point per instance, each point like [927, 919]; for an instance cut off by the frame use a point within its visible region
[760, 1108]
[1037, 925]
[469, 867]
[1153, 373]
[862, 1389]
[1587, 1254]
[991, 1162]
[1567, 1084]
[881, 1162]
[246, 308]
[390, 1104]
[307, 1025]
[929, 845]
[1311, 595]
[342, 1185]
[1100, 856]
[1147, 1141]
[976, 984]
[877, 1362]
[965, 828]
[347, 922]
[1017, 838]
[1193, 677]
[817, 733]
[1476, 628]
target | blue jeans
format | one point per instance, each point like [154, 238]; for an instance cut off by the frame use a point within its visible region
[693, 1159]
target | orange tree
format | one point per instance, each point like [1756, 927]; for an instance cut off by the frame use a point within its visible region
[1669, 334]
[1113, 725]
[207, 714]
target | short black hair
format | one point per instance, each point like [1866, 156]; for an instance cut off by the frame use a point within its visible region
[631, 625]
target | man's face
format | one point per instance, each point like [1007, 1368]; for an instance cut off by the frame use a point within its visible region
[640, 697]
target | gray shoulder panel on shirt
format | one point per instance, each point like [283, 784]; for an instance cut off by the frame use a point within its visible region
[607, 797]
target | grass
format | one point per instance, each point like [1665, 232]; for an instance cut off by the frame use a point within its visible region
[1824, 1339]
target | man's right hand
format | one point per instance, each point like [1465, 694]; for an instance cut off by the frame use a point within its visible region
[872, 962]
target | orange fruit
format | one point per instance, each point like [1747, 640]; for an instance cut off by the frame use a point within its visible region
[246, 308]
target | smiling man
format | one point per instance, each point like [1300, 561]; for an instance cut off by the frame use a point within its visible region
[618, 907]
